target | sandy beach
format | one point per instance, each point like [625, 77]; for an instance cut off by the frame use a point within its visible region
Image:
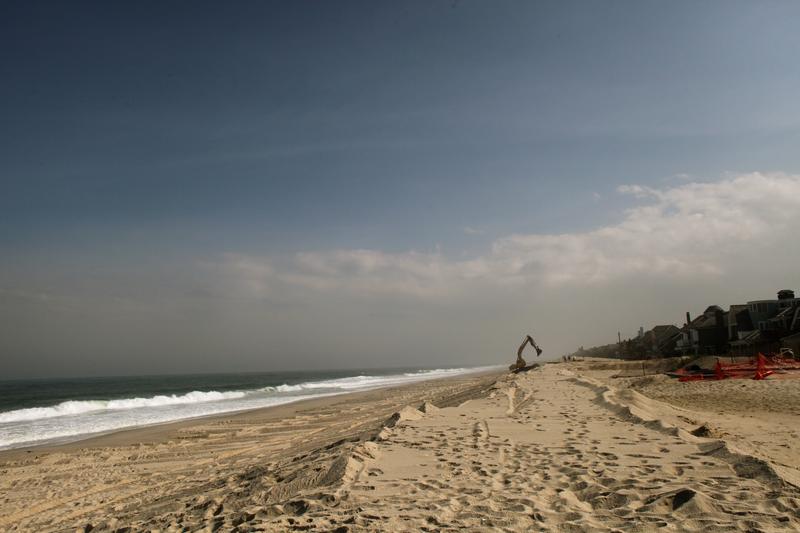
[565, 447]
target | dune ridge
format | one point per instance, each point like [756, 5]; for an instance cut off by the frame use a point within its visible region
[671, 420]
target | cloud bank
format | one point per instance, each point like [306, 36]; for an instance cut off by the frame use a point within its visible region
[677, 248]
[679, 232]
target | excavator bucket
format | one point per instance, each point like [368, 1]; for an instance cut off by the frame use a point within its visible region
[538, 351]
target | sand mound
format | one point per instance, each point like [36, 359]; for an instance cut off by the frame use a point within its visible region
[704, 431]
[404, 414]
[685, 502]
[428, 408]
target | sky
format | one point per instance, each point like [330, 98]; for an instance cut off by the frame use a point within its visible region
[256, 186]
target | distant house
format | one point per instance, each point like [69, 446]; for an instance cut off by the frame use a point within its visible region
[750, 343]
[707, 334]
[739, 322]
[770, 321]
[761, 311]
[788, 316]
[745, 329]
[661, 340]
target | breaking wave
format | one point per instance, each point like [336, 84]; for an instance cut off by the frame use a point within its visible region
[76, 407]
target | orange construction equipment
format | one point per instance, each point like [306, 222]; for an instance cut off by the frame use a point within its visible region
[761, 368]
[718, 371]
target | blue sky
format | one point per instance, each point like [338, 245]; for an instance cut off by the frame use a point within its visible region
[148, 148]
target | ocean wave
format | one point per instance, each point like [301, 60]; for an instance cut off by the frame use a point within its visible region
[75, 419]
[67, 428]
[362, 382]
[288, 388]
[440, 371]
[78, 407]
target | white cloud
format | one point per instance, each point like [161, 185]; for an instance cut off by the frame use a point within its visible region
[685, 231]
[246, 275]
[472, 231]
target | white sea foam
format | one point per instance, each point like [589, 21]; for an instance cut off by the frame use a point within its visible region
[76, 407]
[365, 382]
[288, 388]
[71, 420]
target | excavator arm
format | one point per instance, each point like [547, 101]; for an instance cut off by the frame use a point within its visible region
[520, 363]
[528, 339]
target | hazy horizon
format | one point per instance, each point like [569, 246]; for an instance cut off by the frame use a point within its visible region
[270, 186]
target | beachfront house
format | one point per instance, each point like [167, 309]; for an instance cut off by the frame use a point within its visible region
[661, 340]
[767, 323]
[739, 322]
[707, 334]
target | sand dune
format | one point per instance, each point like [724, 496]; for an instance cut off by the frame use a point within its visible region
[555, 449]
[551, 451]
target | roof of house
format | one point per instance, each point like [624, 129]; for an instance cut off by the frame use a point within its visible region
[738, 308]
[704, 322]
[665, 329]
[664, 334]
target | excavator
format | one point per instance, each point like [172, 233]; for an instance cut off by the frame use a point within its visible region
[520, 364]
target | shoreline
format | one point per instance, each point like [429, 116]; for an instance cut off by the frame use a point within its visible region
[161, 432]
[111, 479]
[562, 447]
[160, 429]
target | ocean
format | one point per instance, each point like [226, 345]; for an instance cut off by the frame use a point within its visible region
[48, 411]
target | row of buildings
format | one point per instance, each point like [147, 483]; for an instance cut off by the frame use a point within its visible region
[743, 329]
